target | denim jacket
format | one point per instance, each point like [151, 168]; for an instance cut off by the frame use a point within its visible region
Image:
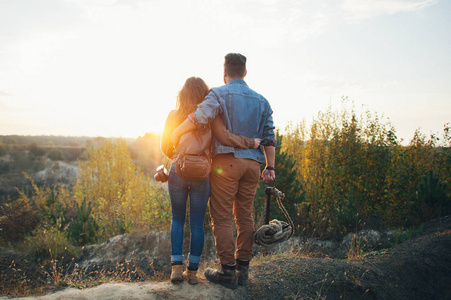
[244, 112]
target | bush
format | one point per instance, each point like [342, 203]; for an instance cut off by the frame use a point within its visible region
[123, 198]
[55, 155]
[18, 218]
[72, 153]
[35, 149]
[82, 229]
[55, 203]
[48, 243]
[3, 150]
[432, 195]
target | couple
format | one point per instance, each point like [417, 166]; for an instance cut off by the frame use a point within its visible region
[241, 122]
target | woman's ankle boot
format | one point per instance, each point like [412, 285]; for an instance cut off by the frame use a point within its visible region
[176, 274]
[191, 276]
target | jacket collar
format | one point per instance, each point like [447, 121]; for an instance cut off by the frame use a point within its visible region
[237, 81]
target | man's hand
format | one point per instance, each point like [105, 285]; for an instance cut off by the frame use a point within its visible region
[268, 175]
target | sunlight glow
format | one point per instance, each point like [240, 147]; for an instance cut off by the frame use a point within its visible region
[114, 67]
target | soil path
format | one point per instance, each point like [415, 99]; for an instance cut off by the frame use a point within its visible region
[148, 290]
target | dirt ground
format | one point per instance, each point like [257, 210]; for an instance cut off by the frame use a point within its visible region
[416, 269]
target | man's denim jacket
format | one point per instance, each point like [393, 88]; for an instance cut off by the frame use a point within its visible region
[244, 112]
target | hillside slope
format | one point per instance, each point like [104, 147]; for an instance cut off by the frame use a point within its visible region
[417, 269]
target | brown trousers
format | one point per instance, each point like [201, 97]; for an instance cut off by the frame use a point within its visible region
[233, 186]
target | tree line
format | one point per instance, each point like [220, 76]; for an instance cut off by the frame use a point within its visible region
[349, 170]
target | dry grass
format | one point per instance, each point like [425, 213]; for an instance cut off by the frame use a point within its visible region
[446, 232]
[356, 247]
[54, 273]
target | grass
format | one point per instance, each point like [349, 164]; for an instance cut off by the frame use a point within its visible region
[356, 248]
[324, 285]
[293, 251]
[51, 274]
[401, 236]
[16, 282]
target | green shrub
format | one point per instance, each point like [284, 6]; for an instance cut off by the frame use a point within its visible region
[55, 202]
[82, 229]
[432, 194]
[48, 243]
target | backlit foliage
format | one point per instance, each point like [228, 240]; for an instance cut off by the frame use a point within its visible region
[122, 197]
[352, 168]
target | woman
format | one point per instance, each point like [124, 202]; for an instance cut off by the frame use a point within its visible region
[192, 93]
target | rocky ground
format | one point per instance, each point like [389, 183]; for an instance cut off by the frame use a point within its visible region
[416, 269]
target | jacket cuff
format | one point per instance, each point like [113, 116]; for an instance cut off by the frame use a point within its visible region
[199, 126]
[192, 119]
[270, 143]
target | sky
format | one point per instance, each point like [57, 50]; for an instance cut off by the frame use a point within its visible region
[113, 67]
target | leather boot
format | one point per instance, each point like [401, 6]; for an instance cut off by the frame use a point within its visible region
[242, 272]
[225, 276]
[191, 276]
[176, 274]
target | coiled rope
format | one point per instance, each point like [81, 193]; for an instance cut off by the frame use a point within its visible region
[274, 231]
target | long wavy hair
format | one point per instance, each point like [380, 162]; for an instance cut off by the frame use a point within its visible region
[192, 93]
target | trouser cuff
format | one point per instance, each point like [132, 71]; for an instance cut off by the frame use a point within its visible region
[194, 258]
[176, 257]
[228, 267]
[242, 262]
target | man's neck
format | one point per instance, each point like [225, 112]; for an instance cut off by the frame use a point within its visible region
[228, 79]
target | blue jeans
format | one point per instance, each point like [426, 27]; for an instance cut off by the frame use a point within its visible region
[198, 192]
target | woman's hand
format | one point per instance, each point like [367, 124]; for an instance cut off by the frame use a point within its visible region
[257, 142]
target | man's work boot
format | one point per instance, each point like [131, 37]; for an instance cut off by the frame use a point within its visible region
[225, 276]
[191, 276]
[242, 271]
[176, 274]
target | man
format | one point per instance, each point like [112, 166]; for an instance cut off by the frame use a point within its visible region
[235, 172]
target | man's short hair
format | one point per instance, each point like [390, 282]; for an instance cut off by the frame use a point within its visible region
[235, 65]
